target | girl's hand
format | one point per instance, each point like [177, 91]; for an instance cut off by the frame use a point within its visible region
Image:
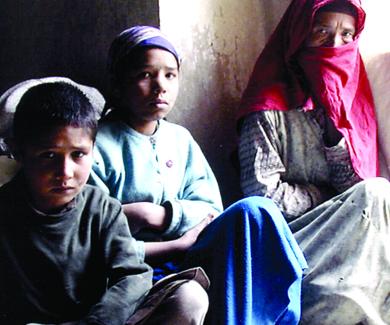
[146, 215]
[157, 252]
[190, 237]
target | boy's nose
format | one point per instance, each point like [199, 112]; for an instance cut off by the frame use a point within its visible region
[65, 168]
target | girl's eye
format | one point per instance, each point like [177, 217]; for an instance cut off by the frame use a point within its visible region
[144, 75]
[171, 75]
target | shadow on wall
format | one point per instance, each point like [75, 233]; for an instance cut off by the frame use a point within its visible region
[378, 67]
[64, 38]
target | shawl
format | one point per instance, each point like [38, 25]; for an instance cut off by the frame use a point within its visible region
[288, 76]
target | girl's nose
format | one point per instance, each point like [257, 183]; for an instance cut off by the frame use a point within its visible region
[159, 85]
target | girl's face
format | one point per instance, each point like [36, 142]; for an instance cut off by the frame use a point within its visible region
[150, 89]
[331, 29]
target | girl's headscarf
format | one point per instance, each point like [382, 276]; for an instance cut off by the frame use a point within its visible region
[289, 76]
[134, 38]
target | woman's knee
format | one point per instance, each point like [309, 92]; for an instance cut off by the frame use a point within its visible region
[376, 188]
[374, 196]
[255, 208]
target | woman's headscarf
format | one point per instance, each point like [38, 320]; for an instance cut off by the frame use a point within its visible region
[289, 76]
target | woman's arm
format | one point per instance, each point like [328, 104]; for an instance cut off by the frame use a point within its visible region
[262, 169]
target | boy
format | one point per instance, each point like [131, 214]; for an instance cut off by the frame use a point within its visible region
[65, 248]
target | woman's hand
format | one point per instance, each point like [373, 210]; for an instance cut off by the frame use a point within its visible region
[146, 215]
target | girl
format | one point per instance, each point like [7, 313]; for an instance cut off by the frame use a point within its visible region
[170, 195]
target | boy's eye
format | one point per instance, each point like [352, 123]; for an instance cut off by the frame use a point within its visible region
[47, 155]
[78, 154]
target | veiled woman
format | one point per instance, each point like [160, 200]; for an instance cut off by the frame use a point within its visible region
[308, 140]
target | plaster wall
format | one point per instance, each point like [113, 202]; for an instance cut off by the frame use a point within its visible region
[375, 49]
[219, 41]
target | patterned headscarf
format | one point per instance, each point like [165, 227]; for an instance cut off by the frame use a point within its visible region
[134, 38]
[288, 76]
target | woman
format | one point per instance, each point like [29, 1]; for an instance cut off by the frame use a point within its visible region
[308, 141]
[170, 195]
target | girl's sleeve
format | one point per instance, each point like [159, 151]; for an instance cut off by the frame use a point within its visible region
[262, 168]
[129, 278]
[102, 171]
[198, 197]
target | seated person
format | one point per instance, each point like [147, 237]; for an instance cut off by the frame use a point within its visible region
[66, 251]
[309, 142]
[170, 195]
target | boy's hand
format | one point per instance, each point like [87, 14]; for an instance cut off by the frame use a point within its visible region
[142, 215]
[190, 237]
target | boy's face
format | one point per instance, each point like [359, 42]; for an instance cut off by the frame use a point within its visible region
[150, 89]
[58, 167]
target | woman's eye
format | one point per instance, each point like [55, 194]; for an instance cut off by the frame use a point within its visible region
[322, 31]
[348, 34]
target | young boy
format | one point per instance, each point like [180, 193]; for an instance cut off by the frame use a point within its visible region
[65, 248]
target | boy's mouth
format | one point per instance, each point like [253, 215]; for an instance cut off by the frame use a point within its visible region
[62, 189]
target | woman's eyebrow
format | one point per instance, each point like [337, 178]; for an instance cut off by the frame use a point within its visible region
[350, 29]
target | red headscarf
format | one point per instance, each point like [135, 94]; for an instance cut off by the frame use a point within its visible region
[287, 76]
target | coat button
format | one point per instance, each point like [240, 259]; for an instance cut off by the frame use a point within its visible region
[169, 163]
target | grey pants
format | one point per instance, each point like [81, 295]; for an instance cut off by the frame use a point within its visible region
[176, 299]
